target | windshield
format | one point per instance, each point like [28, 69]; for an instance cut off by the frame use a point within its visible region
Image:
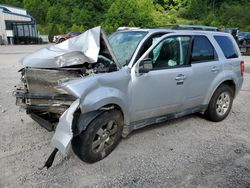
[124, 44]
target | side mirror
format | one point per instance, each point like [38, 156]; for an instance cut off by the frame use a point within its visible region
[146, 65]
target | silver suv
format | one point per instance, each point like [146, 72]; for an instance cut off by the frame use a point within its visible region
[93, 90]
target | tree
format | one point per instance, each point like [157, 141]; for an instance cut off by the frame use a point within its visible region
[57, 16]
[38, 9]
[18, 3]
[77, 28]
[235, 15]
[138, 13]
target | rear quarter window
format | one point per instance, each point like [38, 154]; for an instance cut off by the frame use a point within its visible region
[202, 51]
[227, 46]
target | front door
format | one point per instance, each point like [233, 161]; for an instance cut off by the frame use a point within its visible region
[161, 90]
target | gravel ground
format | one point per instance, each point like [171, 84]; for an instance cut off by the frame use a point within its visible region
[188, 152]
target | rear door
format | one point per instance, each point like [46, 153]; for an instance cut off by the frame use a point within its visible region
[205, 68]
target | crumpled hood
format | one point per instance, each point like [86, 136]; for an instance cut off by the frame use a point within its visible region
[74, 51]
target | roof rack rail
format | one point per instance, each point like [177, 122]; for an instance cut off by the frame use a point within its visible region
[197, 27]
[127, 28]
[189, 27]
[175, 27]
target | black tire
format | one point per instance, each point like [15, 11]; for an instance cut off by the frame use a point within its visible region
[60, 40]
[214, 112]
[82, 144]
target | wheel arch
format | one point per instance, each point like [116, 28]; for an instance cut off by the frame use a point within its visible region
[230, 82]
[104, 98]
[82, 120]
[111, 107]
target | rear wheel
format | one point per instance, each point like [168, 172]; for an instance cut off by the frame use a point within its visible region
[220, 104]
[100, 138]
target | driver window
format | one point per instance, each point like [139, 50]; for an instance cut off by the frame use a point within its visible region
[152, 40]
[170, 53]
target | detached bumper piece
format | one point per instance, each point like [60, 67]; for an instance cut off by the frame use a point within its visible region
[50, 160]
[45, 109]
[63, 135]
[55, 103]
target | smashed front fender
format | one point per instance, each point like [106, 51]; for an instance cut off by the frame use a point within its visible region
[63, 135]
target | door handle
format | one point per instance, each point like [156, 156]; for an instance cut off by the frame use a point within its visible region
[180, 77]
[215, 69]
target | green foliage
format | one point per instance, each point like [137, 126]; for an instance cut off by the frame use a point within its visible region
[77, 28]
[18, 3]
[38, 9]
[235, 15]
[130, 13]
[58, 17]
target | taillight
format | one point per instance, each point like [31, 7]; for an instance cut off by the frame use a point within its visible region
[242, 68]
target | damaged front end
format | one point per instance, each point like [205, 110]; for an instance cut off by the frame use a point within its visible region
[39, 93]
[46, 72]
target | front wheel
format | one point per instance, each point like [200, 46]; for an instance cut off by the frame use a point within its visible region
[220, 104]
[100, 138]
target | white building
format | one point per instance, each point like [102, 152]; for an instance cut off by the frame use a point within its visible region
[16, 26]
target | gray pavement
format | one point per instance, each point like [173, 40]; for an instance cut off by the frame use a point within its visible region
[187, 152]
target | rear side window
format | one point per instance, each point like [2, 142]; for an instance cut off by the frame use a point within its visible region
[203, 50]
[227, 46]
